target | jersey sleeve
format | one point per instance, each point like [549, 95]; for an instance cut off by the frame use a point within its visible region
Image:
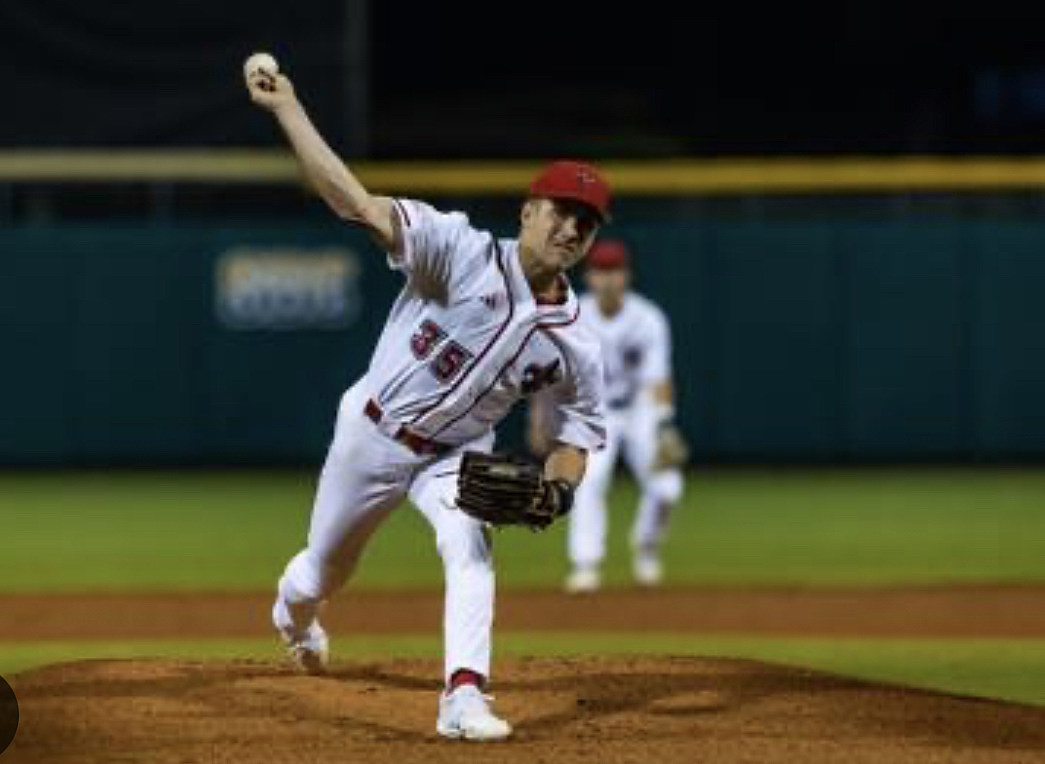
[434, 243]
[656, 365]
[579, 413]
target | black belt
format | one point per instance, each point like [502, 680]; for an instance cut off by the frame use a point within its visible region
[419, 444]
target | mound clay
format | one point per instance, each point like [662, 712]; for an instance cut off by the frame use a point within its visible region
[592, 710]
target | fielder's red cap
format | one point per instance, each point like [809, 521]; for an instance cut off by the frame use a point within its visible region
[581, 182]
[608, 255]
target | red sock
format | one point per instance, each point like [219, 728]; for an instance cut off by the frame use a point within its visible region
[466, 676]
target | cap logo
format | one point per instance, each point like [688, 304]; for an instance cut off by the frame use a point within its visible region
[585, 177]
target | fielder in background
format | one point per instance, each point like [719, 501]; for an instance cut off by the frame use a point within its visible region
[480, 323]
[636, 347]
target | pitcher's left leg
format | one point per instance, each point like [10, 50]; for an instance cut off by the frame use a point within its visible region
[465, 548]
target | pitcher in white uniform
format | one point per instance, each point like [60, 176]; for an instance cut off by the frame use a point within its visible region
[479, 324]
[636, 348]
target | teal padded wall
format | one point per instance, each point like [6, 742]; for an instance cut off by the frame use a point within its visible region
[835, 339]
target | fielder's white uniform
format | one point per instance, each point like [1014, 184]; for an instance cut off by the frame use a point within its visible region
[636, 352]
[464, 341]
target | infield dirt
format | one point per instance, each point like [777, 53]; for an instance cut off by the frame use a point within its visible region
[615, 709]
[966, 611]
[612, 710]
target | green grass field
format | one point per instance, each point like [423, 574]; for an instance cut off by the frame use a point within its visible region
[234, 531]
[189, 531]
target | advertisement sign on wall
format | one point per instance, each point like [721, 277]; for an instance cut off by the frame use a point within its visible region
[267, 289]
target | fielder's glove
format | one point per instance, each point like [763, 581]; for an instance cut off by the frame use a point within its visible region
[672, 449]
[501, 490]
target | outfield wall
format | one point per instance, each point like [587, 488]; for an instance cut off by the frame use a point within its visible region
[798, 337]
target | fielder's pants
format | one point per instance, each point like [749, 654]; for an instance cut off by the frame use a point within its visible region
[631, 431]
[366, 475]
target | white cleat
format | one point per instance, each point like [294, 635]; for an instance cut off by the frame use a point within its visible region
[310, 652]
[583, 580]
[465, 714]
[648, 570]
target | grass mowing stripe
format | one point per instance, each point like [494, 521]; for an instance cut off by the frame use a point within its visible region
[999, 668]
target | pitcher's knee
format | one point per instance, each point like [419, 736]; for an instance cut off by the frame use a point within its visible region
[466, 547]
[307, 578]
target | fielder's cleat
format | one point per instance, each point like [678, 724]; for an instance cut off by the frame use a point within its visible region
[465, 714]
[647, 569]
[583, 580]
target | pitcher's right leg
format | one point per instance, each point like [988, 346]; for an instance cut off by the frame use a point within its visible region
[365, 476]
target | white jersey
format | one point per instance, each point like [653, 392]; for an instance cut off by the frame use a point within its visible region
[466, 339]
[636, 347]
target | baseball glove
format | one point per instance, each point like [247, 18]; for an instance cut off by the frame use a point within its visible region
[672, 449]
[502, 490]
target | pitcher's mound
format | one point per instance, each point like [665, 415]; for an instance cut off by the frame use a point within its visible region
[595, 711]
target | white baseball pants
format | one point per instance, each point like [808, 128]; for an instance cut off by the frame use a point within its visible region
[366, 475]
[632, 431]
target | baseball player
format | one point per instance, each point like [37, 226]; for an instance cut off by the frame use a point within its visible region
[636, 349]
[480, 323]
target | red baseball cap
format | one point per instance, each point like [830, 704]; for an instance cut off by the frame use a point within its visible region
[608, 255]
[581, 182]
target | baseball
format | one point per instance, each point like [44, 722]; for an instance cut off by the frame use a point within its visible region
[260, 62]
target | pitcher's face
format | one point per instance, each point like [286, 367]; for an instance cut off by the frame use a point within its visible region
[557, 233]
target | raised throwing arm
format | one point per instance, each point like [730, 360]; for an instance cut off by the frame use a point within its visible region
[322, 168]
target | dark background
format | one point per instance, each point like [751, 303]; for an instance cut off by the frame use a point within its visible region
[427, 79]
[887, 326]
